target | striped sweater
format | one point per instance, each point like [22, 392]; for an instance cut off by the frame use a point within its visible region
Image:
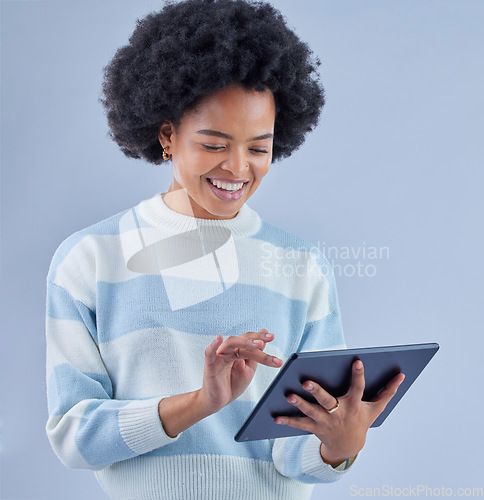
[132, 303]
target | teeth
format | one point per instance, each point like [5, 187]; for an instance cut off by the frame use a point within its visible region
[227, 186]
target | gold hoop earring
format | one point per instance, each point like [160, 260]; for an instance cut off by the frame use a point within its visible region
[166, 156]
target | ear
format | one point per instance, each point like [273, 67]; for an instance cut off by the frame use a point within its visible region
[166, 134]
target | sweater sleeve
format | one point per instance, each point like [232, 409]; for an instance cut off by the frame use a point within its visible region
[87, 427]
[299, 457]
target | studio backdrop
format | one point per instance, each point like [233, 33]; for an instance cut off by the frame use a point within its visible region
[388, 186]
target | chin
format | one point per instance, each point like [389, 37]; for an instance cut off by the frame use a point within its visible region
[226, 213]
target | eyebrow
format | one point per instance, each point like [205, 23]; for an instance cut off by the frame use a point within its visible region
[227, 136]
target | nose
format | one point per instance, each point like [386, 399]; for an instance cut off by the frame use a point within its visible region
[237, 163]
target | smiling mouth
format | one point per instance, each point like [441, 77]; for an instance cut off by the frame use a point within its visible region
[234, 192]
[230, 187]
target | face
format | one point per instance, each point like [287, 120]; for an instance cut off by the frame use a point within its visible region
[220, 152]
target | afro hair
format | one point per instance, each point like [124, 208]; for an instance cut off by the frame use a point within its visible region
[190, 49]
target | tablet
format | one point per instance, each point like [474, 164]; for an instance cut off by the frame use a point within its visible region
[332, 370]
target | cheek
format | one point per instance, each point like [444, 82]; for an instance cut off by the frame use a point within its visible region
[177, 169]
[188, 170]
[263, 169]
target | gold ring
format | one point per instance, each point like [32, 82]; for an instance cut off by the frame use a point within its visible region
[236, 352]
[335, 407]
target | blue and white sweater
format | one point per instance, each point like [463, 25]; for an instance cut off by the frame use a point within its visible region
[132, 303]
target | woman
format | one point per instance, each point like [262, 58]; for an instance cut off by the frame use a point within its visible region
[165, 322]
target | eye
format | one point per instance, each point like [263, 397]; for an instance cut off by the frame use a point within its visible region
[213, 148]
[259, 151]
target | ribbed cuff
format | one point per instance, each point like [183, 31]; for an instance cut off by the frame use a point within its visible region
[312, 463]
[141, 427]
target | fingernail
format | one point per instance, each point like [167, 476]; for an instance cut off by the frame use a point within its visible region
[258, 342]
[279, 421]
[276, 361]
[292, 399]
[267, 335]
[358, 365]
[309, 386]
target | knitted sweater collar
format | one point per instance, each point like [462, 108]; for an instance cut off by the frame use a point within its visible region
[155, 211]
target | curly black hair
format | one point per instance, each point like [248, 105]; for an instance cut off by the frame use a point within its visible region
[192, 48]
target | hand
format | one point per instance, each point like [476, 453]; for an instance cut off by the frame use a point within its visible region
[342, 432]
[230, 366]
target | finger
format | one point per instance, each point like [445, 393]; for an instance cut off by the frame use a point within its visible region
[249, 352]
[324, 398]
[388, 392]
[310, 410]
[268, 337]
[355, 392]
[256, 340]
[261, 358]
[262, 334]
[303, 423]
[228, 349]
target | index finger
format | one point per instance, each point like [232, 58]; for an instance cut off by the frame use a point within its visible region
[262, 358]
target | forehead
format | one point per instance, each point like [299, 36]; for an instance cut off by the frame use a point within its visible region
[233, 108]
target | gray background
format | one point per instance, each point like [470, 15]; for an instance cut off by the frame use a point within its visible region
[396, 162]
